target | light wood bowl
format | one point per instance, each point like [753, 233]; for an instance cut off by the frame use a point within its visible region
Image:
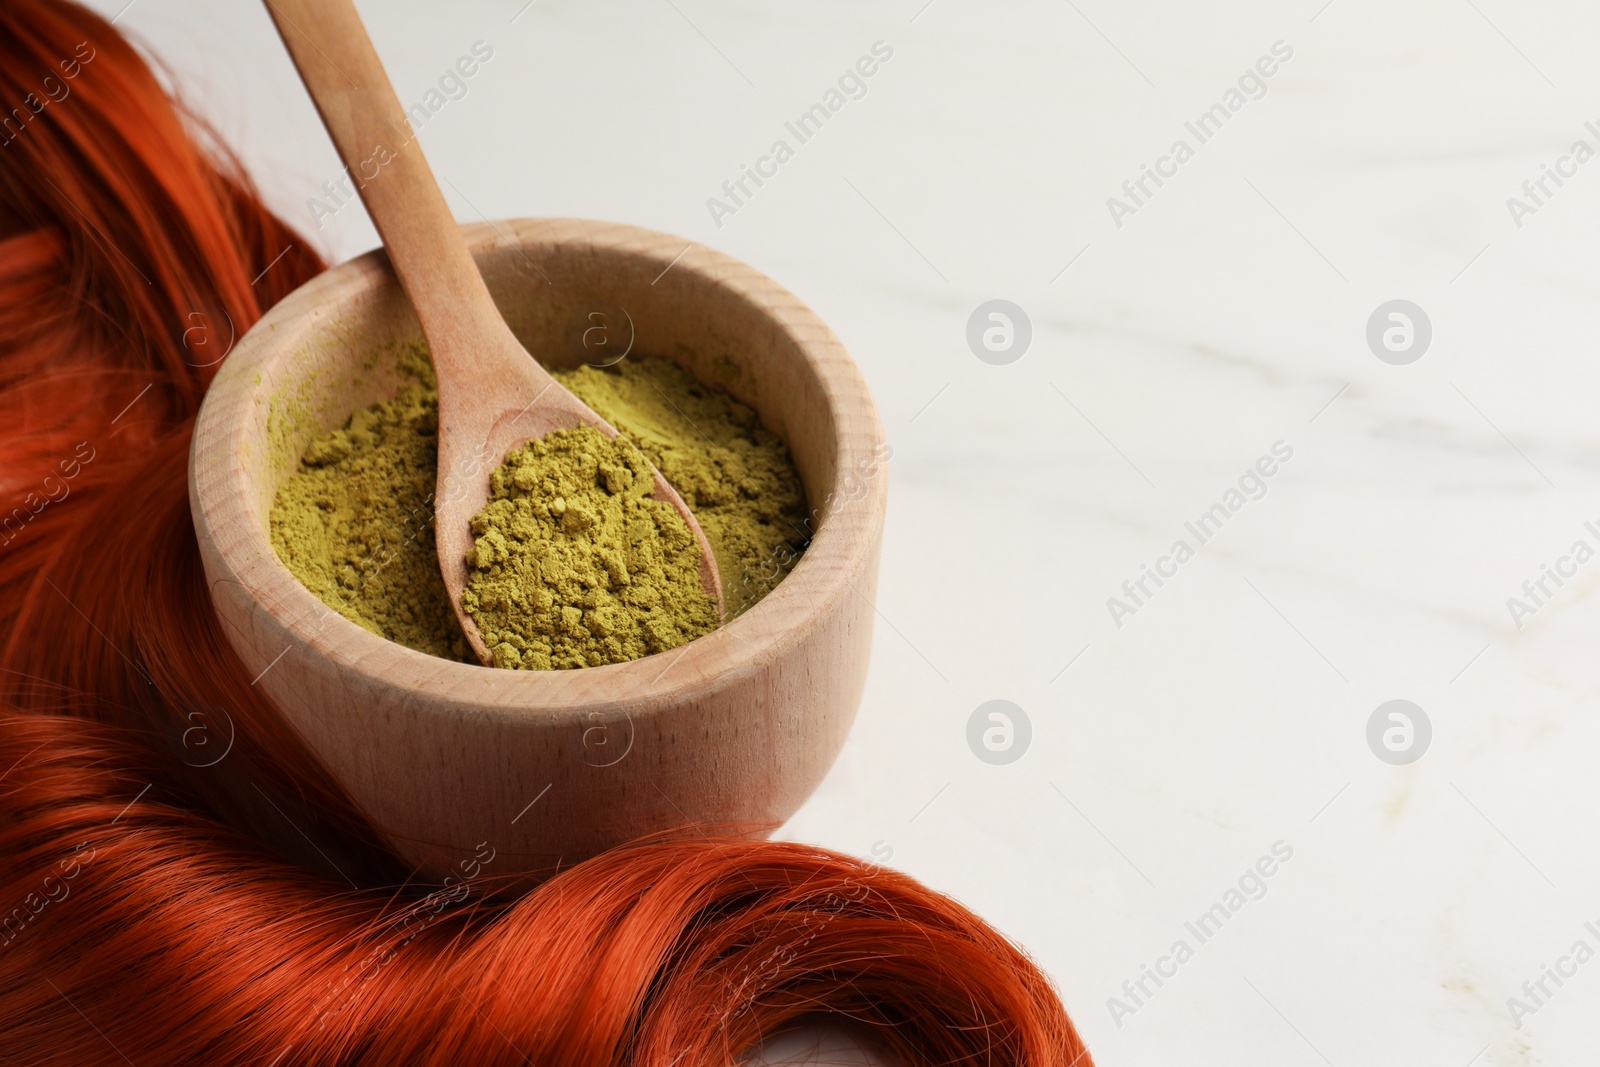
[549, 767]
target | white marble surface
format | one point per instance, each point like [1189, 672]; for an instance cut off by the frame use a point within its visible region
[1227, 314]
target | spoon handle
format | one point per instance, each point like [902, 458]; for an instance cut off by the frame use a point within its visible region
[342, 72]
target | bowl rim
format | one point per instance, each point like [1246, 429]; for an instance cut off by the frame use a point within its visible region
[840, 553]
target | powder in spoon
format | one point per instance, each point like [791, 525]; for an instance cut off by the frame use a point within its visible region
[575, 565]
[354, 523]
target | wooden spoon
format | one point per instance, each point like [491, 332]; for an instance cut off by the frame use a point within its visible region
[493, 396]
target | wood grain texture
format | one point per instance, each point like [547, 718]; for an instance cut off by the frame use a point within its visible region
[552, 766]
[492, 396]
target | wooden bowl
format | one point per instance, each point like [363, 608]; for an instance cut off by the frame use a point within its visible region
[549, 767]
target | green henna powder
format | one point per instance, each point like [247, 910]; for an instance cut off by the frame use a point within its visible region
[355, 522]
[575, 565]
[608, 584]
